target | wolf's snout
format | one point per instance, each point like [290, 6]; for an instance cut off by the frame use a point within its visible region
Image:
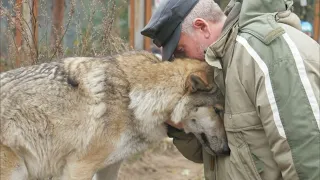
[225, 149]
[218, 147]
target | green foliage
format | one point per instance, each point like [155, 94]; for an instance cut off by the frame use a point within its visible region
[305, 13]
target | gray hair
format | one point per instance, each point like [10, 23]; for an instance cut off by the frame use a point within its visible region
[205, 9]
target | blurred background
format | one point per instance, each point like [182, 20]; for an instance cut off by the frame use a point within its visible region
[36, 31]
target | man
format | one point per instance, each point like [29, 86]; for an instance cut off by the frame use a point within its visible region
[268, 71]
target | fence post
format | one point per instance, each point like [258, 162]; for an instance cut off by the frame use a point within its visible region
[131, 22]
[18, 33]
[316, 21]
[148, 9]
[35, 26]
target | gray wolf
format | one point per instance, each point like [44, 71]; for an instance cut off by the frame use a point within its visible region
[71, 118]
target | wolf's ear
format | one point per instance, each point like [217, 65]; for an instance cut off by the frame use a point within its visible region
[198, 81]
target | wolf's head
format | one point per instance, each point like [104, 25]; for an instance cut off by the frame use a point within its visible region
[182, 90]
[200, 111]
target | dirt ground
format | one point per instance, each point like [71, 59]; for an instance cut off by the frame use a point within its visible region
[161, 162]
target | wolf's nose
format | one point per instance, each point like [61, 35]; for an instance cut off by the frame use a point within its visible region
[226, 149]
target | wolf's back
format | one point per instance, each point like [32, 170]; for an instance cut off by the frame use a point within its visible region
[31, 86]
[53, 90]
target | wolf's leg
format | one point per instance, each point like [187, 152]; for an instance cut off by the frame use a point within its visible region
[86, 165]
[82, 170]
[78, 171]
[11, 167]
[108, 173]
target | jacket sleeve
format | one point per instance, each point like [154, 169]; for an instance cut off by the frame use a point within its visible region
[281, 86]
[187, 144]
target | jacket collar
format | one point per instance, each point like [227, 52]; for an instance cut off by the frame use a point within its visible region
[216, 51]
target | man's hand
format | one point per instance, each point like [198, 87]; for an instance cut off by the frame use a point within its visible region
[178, 126]
[187, 144]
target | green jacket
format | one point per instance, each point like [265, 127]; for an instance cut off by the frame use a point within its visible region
[269, 73]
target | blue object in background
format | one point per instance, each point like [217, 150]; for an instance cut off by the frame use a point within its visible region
[307, 27]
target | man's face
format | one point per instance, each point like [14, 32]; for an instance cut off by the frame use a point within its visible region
[190, 46]
[202, 35]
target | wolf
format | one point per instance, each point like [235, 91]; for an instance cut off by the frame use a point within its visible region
[70, 118]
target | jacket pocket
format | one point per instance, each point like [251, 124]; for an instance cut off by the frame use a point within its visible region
[247, 160]
[242, 162]
[258, 163]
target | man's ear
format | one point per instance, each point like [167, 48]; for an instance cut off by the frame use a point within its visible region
[198, 81]
[203, 25]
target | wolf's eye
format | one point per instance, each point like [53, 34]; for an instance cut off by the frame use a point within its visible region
[193, 120]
